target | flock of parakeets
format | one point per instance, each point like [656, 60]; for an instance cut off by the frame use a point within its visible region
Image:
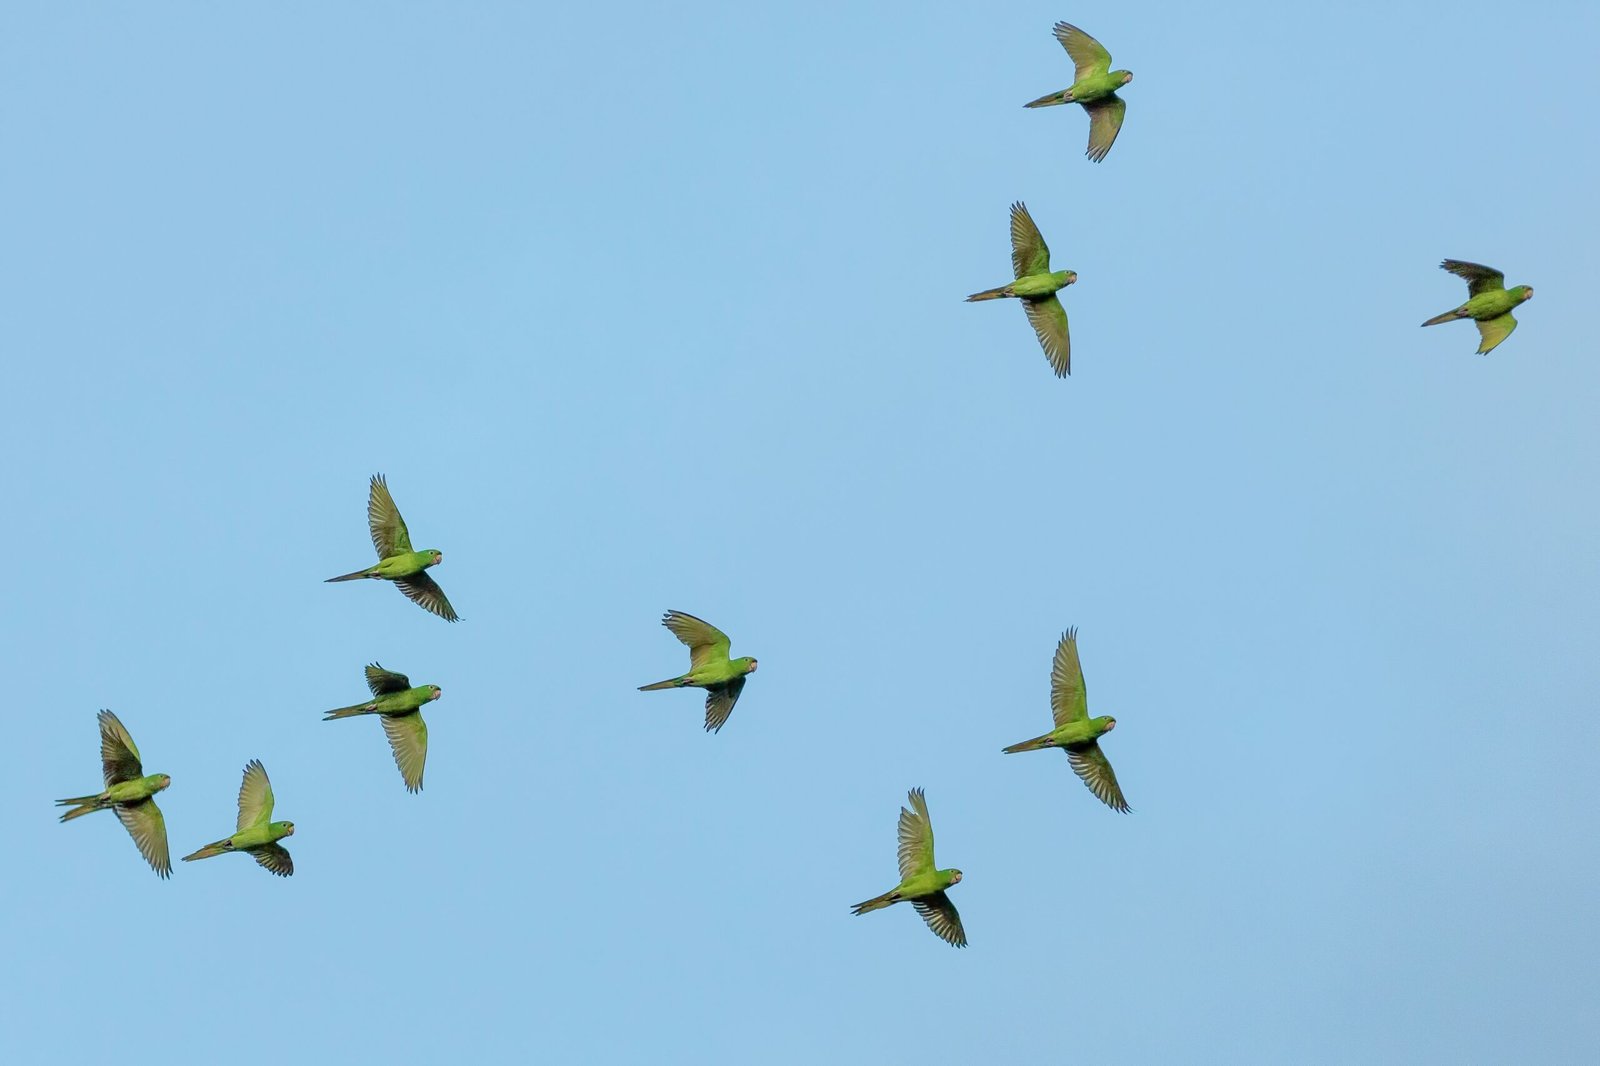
[130, 792]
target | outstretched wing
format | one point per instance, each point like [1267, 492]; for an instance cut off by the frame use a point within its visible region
[1479, 278]
[1067, 700]
[707, 643]
[425, 592]
[255, 797]
[1105, 122]
[119, 756]
[274, 857]
[1092, 766]
[941, 916]
[408, 739]
[916, 837]
[389, 535]
[1029, 253]
[148, 828]
[719, 703]
[381, 681]
[1088, 55]
[1493, 331]
[1048, 317]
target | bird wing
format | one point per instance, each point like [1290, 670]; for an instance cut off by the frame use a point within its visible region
[382, 681]
[1029, 253]
[119, 756]
[389, 534]
[1105, 122]
[1089, 56]
[1479, 278]
[1494, 330]
[255, 797]
[425, 592]
[145, 824]
[274, 857]
[707, 643]
[1068, 703]
[1094, 769]
[916, 837]
[719, 703]
[408, 739]
[941, 916]
[1049, 321]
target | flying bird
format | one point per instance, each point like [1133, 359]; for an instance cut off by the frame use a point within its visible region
[1076, 733]
[399, 704]
[129, 792]
[1036, 287]
[1489, 302]
[921, 881]
[1095, 87]
[397, 562]
[709, 667]
[256, 834]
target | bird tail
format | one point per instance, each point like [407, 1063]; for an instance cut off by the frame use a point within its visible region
[876, 903]
[671, 682]
[348, 712]
[81, 805]
[221, 846]
[1029, 745]
[353, 575]
[991, 294]
[1051, 99]
[1448, 316]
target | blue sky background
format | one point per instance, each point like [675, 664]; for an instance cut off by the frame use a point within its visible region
[661, 307]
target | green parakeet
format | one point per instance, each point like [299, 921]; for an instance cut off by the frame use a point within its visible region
[394, 698]
[709, 667]
[257, 834]
[1036, 287]
[1095, 88]
[921, 881]
[129, 792]
[1489, 302]
[1076, 733]
[396, 560]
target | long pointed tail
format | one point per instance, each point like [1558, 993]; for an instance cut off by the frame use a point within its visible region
[876, 903]
[671, 682]
[1050, 99]
[81, 805]
[1029, 745]
[352, 576]
[348, 712]
[1448, 316]
[991, 294]
[220, 847]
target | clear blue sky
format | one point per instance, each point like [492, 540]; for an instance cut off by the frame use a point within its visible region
[653, 307]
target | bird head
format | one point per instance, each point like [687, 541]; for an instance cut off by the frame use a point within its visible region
[1127, 76]
[436, 692]
[288, 828]
[1524, 292]
[437, 557]
[750, 665]
[1111, 723]
[955, 877]
[1072, 277]
[162, 781]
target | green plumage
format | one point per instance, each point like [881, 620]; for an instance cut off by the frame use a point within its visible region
[709, 667]
[922, 883]
[394, 697]
[1075, 732]
[256, 834]
[1489, 302]
[1094, 87]
[397, 561]
[1036, 286]
[130, 792]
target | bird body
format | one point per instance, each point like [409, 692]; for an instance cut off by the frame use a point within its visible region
[1036, 285]
[1075, 732]
[1489, 302]
[130, 792]
[397, 560]
[255, 834]
[710, 667]
[396, 567]
[1094, 86]
[400, 703]
[922, 883]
